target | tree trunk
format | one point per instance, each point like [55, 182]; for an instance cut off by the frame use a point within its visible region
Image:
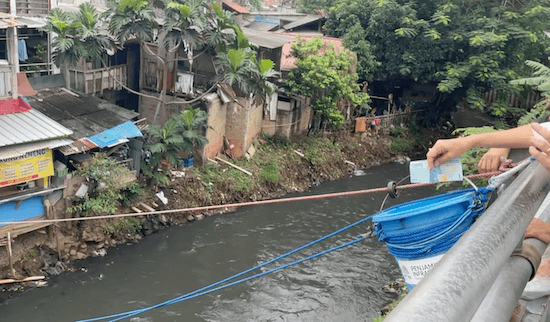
[65, 71]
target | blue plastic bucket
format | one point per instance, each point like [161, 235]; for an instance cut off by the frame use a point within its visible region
[420, 232]
[188, 162]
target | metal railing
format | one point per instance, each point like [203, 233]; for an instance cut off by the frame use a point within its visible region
[455, 289]
[97, 80]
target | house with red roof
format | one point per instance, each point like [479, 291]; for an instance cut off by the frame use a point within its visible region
[241, 13]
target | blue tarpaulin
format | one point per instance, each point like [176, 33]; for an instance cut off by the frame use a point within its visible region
[29, 208]
[113, 135]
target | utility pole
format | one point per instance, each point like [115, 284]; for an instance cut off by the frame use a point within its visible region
[13, 53]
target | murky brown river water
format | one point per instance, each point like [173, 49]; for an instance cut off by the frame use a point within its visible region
[346, 285]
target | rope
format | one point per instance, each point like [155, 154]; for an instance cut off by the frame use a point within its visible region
[215, 286]
[243, 204]
[218, 285]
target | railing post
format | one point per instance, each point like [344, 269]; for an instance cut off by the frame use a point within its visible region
[453, 290]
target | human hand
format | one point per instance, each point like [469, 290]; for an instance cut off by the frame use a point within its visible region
[538, 229]
[444, 150]
[492, 159]
[541, 148]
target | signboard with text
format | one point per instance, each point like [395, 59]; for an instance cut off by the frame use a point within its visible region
[40, 165]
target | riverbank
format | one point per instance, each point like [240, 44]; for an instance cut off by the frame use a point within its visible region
[278, 168]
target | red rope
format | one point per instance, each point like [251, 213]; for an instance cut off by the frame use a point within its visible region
[243, 204]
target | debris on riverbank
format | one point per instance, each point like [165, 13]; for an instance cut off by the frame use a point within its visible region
[279, 167]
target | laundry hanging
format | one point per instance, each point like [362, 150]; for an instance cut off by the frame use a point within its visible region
[22, 48]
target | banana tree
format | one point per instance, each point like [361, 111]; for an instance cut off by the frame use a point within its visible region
[164, 143]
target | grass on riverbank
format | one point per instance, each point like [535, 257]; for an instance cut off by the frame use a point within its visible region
[272, 164]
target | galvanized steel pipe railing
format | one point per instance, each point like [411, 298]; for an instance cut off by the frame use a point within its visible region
[453, 290]
[518, 270]
[500, 301]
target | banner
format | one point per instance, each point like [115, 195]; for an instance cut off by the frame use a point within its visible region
[28, 169]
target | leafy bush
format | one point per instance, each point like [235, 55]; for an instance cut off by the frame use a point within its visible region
[107, 188]
[128, 225]
[401, 144]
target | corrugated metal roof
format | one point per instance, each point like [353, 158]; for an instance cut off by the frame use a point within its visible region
[116, 135]
[262, 26]
[236, 7]
[304, 21]
[13, 106]
[85, 115]
[16, 151]
[266, 39]
[29, 126]
[78, 146]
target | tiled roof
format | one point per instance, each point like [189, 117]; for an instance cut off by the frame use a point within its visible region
[236, 7]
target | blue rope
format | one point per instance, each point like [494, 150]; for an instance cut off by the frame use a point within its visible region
[434, 235]
[184, 298]
[202, 290]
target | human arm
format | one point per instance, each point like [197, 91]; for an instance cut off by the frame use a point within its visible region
[492, 159]
[444, 150]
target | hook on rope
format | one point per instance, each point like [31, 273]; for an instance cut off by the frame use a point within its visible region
[392, 189]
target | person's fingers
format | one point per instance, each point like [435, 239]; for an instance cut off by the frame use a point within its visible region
[541, 130]
[481, 165]
[433, 154]
[542, 145]
[493, 164]
[541, 156]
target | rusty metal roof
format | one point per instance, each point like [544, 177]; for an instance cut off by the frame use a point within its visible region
[85, 115]
[236, 7]
[29, 126]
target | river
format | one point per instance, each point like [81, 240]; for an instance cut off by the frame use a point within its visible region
[346, 285]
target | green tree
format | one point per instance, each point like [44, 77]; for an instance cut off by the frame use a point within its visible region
[326, 76]
[541, 81]
[192, 25]
[77, 36]
[457, 44]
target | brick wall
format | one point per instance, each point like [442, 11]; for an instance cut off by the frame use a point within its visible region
[289, 123]
[216, 126]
